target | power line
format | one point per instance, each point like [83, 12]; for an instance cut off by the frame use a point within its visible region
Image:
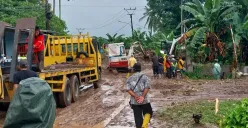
[121, 28]
[134, 23]
[117, 6]
[108, 23]
[22, 8]
[106, 20]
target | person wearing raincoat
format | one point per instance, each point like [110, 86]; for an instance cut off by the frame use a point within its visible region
[216, 70]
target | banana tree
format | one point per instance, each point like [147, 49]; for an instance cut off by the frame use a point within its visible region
[115, 38]
[207, 17]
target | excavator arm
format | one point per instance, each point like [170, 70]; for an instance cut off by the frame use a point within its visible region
[134, 45]
[182, 38]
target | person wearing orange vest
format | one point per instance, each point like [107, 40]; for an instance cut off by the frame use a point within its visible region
[180, 65]
[165, 64]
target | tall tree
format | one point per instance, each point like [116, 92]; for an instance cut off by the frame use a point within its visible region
[11, 10]
[164, 15]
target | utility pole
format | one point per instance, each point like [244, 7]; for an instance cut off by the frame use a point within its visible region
[131, 16]
[54, 4]
[182, 18]
[80, 30]
[60, 9]
[46, 15]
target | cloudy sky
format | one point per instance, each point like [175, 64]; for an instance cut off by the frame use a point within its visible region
[99, 17]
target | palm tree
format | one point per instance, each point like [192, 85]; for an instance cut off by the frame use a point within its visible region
[115, 38]
[244, 12]
[207, 19]
[139, 36]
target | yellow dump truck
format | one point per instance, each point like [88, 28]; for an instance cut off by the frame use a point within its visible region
[71, 62]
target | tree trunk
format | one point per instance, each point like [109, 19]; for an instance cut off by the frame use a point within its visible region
[235, 58]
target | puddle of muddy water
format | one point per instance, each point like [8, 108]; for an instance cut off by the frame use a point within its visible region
[111, 101]
[105, 87]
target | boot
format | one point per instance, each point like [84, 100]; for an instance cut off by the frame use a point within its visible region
[146, 120]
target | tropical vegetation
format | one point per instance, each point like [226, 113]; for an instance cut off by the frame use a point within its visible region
[11, 10]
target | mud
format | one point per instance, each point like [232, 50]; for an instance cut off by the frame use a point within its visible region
[108, 106]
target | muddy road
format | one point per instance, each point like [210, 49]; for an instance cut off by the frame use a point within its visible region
[108, 106]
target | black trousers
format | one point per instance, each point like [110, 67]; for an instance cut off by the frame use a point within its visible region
[169, 72]
[139, 111]
[155, 70]
[41, 60]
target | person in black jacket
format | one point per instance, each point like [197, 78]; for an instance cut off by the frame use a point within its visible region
[22, 74]
[161, 66]
[155, 65]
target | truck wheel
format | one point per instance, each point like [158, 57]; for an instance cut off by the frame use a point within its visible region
[74, 88]
[66, 96]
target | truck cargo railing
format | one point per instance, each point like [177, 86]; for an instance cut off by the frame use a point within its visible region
[59, 48]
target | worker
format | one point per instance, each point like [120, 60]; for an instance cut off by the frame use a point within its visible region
[168, 68]
[131, 62]
[161, 66]
[39, 47]
[216, 70]
[180, 65]
[173, 67]
[164, 64]
[138, 86]
[22, 74]
[155, 64]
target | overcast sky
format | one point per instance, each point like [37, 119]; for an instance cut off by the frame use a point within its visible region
[99, 17]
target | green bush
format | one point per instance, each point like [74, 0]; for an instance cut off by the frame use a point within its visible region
[198, 73]
[238, 118]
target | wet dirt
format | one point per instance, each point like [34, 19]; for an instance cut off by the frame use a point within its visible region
[108, 106]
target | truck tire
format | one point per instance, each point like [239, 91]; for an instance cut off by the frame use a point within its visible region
[74, 88]
[65, 97]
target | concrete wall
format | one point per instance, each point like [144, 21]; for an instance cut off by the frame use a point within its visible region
[206, 69]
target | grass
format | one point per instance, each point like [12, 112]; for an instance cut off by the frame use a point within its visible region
[181, 114]
[197, 76]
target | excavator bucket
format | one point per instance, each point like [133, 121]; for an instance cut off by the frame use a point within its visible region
[21, 25]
